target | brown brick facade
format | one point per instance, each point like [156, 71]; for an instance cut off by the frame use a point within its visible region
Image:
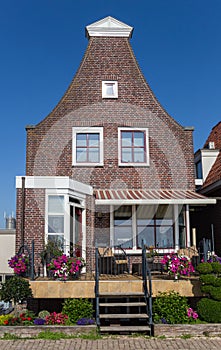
[171, 149]
[49, 144]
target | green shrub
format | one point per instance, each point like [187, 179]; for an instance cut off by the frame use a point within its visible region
[206, 289]
[208, 279]
[209, 310]
[204, 268]
[16, 288]
[43, 314]
[77, 308]
[170, 307]
[217, 282]
[215, 293]
[216, 266]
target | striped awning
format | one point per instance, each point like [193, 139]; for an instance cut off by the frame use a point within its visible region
[146, 196]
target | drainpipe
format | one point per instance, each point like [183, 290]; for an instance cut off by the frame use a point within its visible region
[23, 212]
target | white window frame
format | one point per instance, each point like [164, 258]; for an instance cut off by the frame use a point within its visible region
[87, 130]
[64, 234]
[66, 194]
[136, 250]
[137, 164]
[104, 89]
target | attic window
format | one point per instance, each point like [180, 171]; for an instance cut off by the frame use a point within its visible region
[109, 89]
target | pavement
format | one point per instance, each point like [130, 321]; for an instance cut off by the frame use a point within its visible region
[119, 343]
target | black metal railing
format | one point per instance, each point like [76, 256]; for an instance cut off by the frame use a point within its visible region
[112, 260]
[31, 270]
[147, 288]
[96, 291]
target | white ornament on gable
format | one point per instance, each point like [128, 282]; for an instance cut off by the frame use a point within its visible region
[109, 26]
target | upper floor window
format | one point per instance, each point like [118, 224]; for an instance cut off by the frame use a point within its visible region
[109, 89]
[133, 146]
[198, 167]
[88, 146]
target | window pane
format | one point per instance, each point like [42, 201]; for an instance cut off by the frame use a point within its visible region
[93, 155]
[146, 211]
[126, 155]
[123, 226]
[139, 138]
[164, 215]
[109, 89]
[147, 235]
[58, 240]
[81, 140]
[55, 224]
[93, 140]
[81, 155]
[126, 137]
[181, 215]
[124, 211]
[55, 204]
[123, 236]
[123, 222]
[199, 174]
[164, 237]
[164, 211]
[139, 155]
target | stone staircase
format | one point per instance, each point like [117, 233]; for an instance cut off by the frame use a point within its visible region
[123, 313]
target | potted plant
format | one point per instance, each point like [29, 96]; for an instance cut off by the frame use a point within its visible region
[177, 265]
[150, 253]
[50, 252]
[64, 267]
[20, 264]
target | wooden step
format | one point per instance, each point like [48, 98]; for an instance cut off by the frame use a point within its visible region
[121, 294]
[125, 316]
[123, 304]
[119, 329]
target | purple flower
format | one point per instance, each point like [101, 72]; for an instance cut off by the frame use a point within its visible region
[85, 321]
[39, 321]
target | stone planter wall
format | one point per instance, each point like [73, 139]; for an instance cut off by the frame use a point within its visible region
[176, 330]
[159, 330]
[32, 331]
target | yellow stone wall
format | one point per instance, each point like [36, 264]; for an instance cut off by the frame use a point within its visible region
[85, 289]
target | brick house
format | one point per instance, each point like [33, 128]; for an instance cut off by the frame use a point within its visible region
[108, 164]
[207, 219]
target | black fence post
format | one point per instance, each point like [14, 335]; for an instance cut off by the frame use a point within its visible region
[32, 260]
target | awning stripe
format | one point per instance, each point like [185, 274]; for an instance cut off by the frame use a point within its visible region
[139, 195]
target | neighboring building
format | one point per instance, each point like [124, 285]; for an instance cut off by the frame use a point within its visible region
[7, 248]
[207, 219]
[108, 164]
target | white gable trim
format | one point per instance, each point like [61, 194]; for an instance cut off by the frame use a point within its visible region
[109, 26]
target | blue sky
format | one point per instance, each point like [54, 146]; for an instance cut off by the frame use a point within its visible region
[42, 42]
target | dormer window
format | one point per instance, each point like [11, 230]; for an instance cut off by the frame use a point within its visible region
[109, 89]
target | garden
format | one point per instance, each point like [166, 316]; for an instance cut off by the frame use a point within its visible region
[169, 308]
